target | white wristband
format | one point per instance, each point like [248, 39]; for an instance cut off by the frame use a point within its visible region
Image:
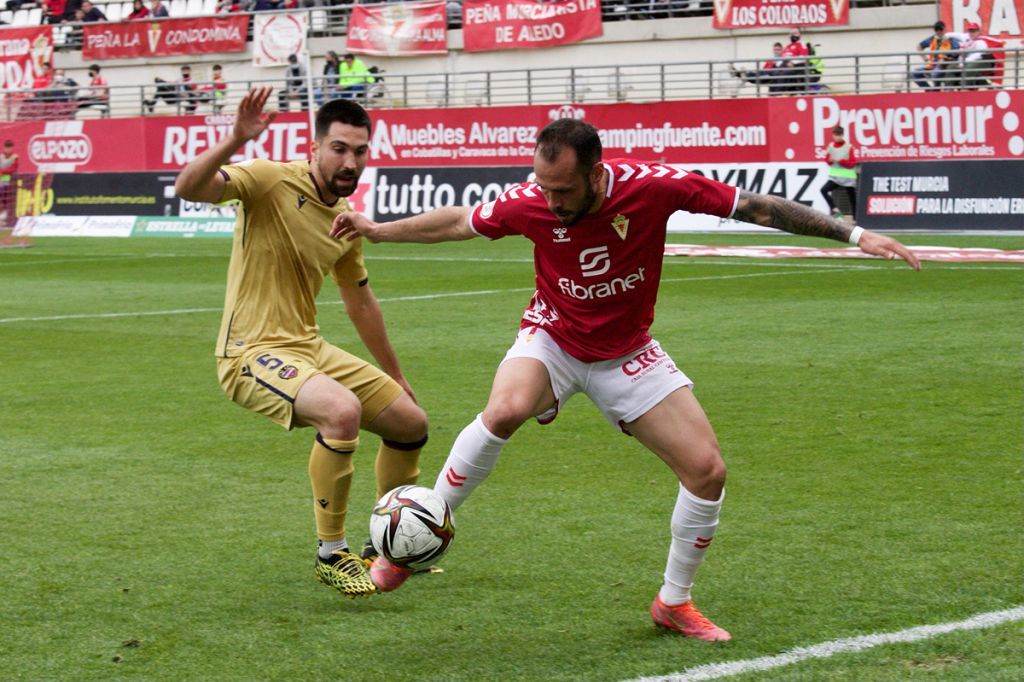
[855, 234]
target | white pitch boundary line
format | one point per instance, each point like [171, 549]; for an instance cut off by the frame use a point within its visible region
[705, 260]
[392, 299]
[670, 260]
[714, 671]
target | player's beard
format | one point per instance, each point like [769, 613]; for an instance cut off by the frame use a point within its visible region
[341, 183]
[571, 218]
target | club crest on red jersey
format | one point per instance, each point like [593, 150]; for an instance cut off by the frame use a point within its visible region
[561, 235]
[620, 224]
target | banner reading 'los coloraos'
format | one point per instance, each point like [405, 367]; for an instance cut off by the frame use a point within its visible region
[23, 51]
[405, 29]
[918, 126]
[758, 13]
[108, 40]
[997, 18]
[528, 24]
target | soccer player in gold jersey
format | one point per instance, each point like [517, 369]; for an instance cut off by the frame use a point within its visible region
[271, 358]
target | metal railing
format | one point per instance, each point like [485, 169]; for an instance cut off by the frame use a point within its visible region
[843, 74]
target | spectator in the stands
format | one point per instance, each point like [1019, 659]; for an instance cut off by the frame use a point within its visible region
[97, 94]
[228, 7]
[793, 69]
[266, 5]
[139, 10]
[158, 10]
[91, 12]
[327, 86]
[977, 63]
[187, 90]
[216, 90]
[63, 87]
[294, 85]
[768, 74]
[937, 67]
[43, 78]
[181, 93]
[353, 76]
[55, 11]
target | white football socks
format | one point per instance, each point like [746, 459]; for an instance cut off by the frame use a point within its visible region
[693, 528]
[472, 458]
[327, 547]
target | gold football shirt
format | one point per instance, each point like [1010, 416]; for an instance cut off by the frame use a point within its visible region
[280, 255]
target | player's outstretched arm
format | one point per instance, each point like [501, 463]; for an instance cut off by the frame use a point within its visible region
[199, 179]
[449, 224]
[783, 214]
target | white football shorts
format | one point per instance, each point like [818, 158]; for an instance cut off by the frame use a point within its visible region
[624, 389]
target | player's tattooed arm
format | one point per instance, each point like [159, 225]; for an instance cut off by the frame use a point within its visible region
[783, 214]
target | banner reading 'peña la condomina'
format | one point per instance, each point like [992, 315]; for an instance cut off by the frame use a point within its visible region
[108, 40]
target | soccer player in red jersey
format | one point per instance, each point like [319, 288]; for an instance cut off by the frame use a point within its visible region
[598, 229]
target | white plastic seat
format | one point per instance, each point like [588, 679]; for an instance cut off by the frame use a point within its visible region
[20, 18]
[113, 11]
[177, 8]
[35, 16]
[194, 8]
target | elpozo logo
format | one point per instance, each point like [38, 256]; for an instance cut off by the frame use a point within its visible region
[74, 149]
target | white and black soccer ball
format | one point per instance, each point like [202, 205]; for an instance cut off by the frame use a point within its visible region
[412, 526]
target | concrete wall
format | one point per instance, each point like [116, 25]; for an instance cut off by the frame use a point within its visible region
[871, 31]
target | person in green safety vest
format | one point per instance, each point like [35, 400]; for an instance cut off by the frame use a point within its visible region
[8, 170]
[842, 172]
[353, 77]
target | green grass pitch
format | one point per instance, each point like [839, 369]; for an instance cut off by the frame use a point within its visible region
[871, 418]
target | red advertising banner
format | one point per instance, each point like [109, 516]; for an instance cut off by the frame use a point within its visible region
[919, 126]
[758, 13]
[410, 28]
[22, 54]
[527, 24]
[998, 18]
[165, 37]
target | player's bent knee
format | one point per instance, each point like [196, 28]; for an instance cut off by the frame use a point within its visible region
[704, 471]
[503, 417]
[342, 418]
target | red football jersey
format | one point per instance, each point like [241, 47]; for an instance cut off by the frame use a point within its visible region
[597, 281]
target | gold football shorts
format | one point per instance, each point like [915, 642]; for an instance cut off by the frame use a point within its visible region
[266, 379]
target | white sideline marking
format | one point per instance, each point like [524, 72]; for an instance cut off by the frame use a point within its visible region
[423, 297]
[186, 311]
[714, 671]
[392, 299]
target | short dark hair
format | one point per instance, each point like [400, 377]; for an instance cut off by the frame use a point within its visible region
[8, 143]
[94, 67]
[838, 130]
[216, 67]
[578, 135]
[348, 55]
[341, 111]
[939, 26]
